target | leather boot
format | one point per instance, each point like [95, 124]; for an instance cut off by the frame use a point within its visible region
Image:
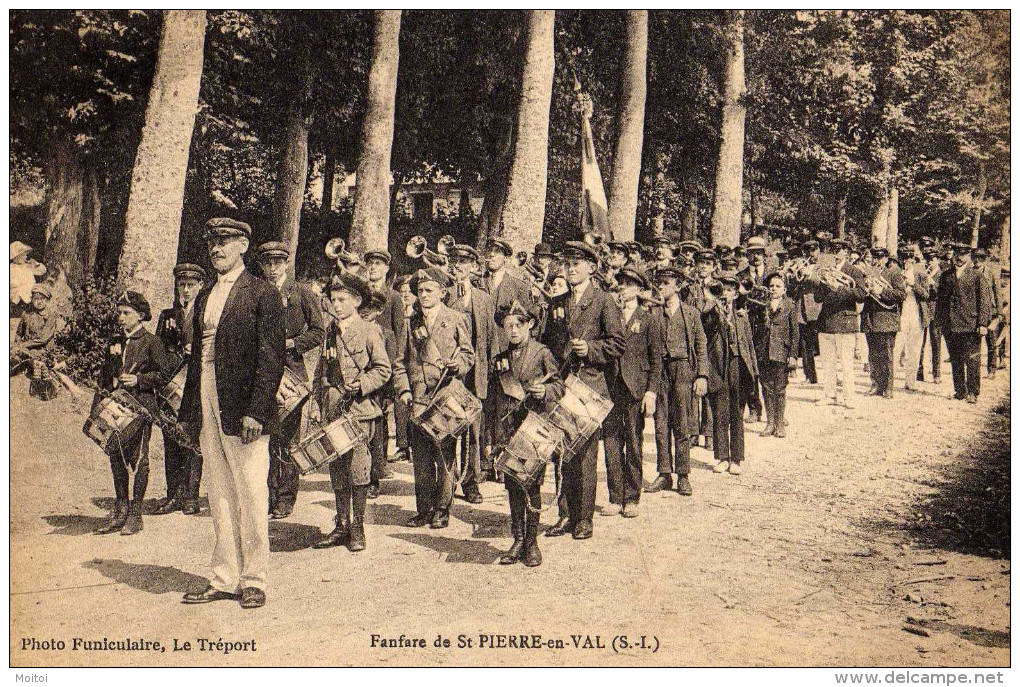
[133, 525]
[356, 540]
[780, 431]
[117, 518]
[172, 504]
[531, 556]
[663, 482]
[516, 529]
[340, 533]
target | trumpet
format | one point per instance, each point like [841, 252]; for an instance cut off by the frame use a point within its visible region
[336, 249]
[417, 249]
[874, 285]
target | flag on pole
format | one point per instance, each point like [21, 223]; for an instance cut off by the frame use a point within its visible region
[594, 207]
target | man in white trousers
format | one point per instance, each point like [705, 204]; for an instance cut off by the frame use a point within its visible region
[907, 349]
[230, 403]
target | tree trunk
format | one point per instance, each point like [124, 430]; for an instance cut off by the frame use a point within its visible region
[523, 211]
[880, 223]
[1004, 245]
[328, 181]
[153, 221]
[630, 129]
[982, 188]
[841, 217]
[893, 233]
[88, 243]
[370, 227]
[689, 220]
[729, 175]
[64, 199]
[753, 197]
[292, 168]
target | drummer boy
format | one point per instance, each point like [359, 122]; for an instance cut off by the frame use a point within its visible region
[528, 381]
[136, 361]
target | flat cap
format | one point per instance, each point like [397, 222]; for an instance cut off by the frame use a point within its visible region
[383, 255]
[543, 249]
[690, 246]
[273, 249]
[433, 274]
[705, 255]
[345, 281]
[634, 247]
[137, 301]
[633, 275]
[189, 269]
[501, 245]
[225, 226]
[668, 272]
[619, 245]
[580, 249]
[463, 251]
[880, 252]
[18, 249]
[42, 290]
[756, 243]
[517, 309]
[728, 278]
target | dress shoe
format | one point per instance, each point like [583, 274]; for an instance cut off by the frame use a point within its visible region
[338, 537]
[631, 510]
[735, 469]
[420, 520]
[721, 466]
[133, 524]
[683, 486]
[208, 595]
[440, 520]
[373, 491]
[281, 511]
[971, 398]
[531, 556]
[514, 554]
[472, 495]
[769, 430]
[611, 509]
[191, 507]
[991, 374]
[888, 393]
[562, 526]
[936, 380]
[661, 483]
[252, 597]
[583, 530]
[873, 390]
[170, 505]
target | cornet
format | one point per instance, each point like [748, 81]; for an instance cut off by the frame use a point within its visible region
[444, 245]
[336, 249]
[874, 285]
[417, 249]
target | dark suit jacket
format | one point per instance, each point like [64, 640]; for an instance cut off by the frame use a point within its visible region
[838, 314]
[510, 289]
[423, 355]
[963, 304]
[875, 318]
[141, 354]
[303, 324]
[174, 329]
[717, 336]
[485, 340]
[597, 320]
[782, 340]
[639, 370]
[250, 343]
[534, 363]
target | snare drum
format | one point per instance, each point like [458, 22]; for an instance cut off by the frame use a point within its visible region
[323, 444]
[168, 404]
[292, 393]
[579, 413]
[450, 413]
[529, 450]
[115, 420]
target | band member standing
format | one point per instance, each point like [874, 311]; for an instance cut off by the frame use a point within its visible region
[980, 258]
[778, 357]
[880, 320]
[698, 297]
[136, 361]
[304, 330]
[584, 329]
[730, 348]
[684, 383]
[503, 288]
[752, 279]
[633, 388]
[913, 317]
[353, 368]
[230, 397]
[183, 466]
[526, 380]
[477, 308]
[964, 312]
[809, 310]
[401, 412]
[437, 347]
[391, 319]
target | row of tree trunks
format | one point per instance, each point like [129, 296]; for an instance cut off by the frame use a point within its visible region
[370, 226]
[153, 221]
[630, 129]
[523, 212]
[729, 176]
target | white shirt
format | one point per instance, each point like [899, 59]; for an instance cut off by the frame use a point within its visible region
[429, 314]
[218, 296]
[497, 278]
[579, 290]
[673, 307]
[628, 310]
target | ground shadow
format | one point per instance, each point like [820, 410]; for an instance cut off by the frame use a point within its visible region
[387, 514]
[484, 524]
[456, 550]
[982, 636]
[74, 525]
[285, 537]
[151, 579]
[969, 510]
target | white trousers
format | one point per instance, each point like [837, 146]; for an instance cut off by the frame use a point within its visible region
[236, 476]
[907, 349]
[837, 353]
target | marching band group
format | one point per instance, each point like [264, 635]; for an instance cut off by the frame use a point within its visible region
[494, 365]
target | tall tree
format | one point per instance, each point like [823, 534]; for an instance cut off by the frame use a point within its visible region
[370, 227]
[157, 183]
[524, 209]
[630, 132]
[729, 177]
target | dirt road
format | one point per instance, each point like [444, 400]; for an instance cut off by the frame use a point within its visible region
[811, 557]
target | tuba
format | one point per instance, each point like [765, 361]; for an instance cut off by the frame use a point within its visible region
[417, 249]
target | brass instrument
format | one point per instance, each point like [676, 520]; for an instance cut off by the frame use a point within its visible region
[652, 297]
[835, 278]
[874, 285]
[444, 244]
[758, 295]
[417, 249]
[336, 249]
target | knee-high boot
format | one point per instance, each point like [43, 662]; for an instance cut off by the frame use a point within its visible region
[517, 514]
[780, 406]
[117, 518]
[531, 556]
[356, 540]
[341, 532]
